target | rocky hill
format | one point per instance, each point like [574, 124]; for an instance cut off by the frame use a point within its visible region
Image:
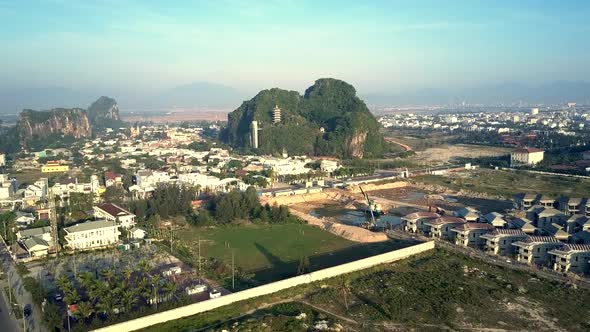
[104, 112]
[329, 119]
[74, 122]
[63, 121]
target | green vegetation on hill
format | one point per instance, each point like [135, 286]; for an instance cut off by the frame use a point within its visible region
[349, 128]
[104, 112]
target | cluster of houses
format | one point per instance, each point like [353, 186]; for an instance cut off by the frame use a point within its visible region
[542, 231]
[103, 231]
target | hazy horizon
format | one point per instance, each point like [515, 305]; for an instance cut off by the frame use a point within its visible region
[140, 51]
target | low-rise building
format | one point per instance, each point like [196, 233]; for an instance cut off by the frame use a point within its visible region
[534, 249]
[547, 201]
[112, 179]
[469, 234]
[572, 205]
[499, 242]
[36, 241]
[414, 222]
[524, 225]
[495, 219]
[524, 201]
[441, 227]
[54, 166]
[571, 258]
[92, 234]
[137, 233]
[468, 213]
[543, 216]
[113, 212]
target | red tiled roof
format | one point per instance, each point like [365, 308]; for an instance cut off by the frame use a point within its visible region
[113, 210]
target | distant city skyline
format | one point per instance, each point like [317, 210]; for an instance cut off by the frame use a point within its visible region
[132, 49]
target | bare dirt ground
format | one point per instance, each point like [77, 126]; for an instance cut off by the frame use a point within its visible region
[446, 153]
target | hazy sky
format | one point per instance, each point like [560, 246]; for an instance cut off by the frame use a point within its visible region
[376, 45]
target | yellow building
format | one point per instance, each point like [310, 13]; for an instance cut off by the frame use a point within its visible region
[54, 166]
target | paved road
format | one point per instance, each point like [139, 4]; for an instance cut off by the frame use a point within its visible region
[34, 323]
[7, 320]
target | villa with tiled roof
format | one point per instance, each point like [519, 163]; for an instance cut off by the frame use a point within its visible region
[533, 250]
[571, 258]
[499, 242]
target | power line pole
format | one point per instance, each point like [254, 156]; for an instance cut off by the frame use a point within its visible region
[233, 270]
[24, 321]
[199, 256]
[9, 290]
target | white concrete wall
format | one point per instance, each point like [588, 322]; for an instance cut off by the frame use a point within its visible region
[274, 287]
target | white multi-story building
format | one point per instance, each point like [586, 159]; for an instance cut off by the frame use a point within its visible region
[113, 212]
[64, 190]
[8, 186]
[287, 166]
[92, 234]
[329, 165]
[2, 159]
[526, 156]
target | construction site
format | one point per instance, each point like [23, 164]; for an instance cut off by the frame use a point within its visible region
[361, 213]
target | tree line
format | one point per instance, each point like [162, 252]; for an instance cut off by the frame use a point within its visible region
[237, 206]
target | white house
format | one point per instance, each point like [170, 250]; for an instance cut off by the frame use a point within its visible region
[113, 212]
[36, 241]
[92, 234]
[137, 233]
[24, 219]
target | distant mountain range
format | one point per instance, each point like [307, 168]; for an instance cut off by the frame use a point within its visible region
[194, 95]
[553, 93]
[212, 95]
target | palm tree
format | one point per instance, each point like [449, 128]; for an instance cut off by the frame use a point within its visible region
[71, 296]
[127, 272]
[86, 279]
[144, 267]
[106, 302]
[156, 287]
[85, 310]
[128, 298]
[109, 275]
[63, 282]
[169, 289]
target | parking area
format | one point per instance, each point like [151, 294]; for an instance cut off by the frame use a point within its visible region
[145, 267]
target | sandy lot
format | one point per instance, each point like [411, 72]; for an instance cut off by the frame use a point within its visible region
[446, 153]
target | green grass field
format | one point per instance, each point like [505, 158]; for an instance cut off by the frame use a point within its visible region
[273, 252]
[506, 183]
[434, 291]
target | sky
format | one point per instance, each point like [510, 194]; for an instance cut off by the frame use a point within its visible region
[379, 46]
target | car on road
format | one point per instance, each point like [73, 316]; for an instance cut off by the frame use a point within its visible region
[28, 310]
